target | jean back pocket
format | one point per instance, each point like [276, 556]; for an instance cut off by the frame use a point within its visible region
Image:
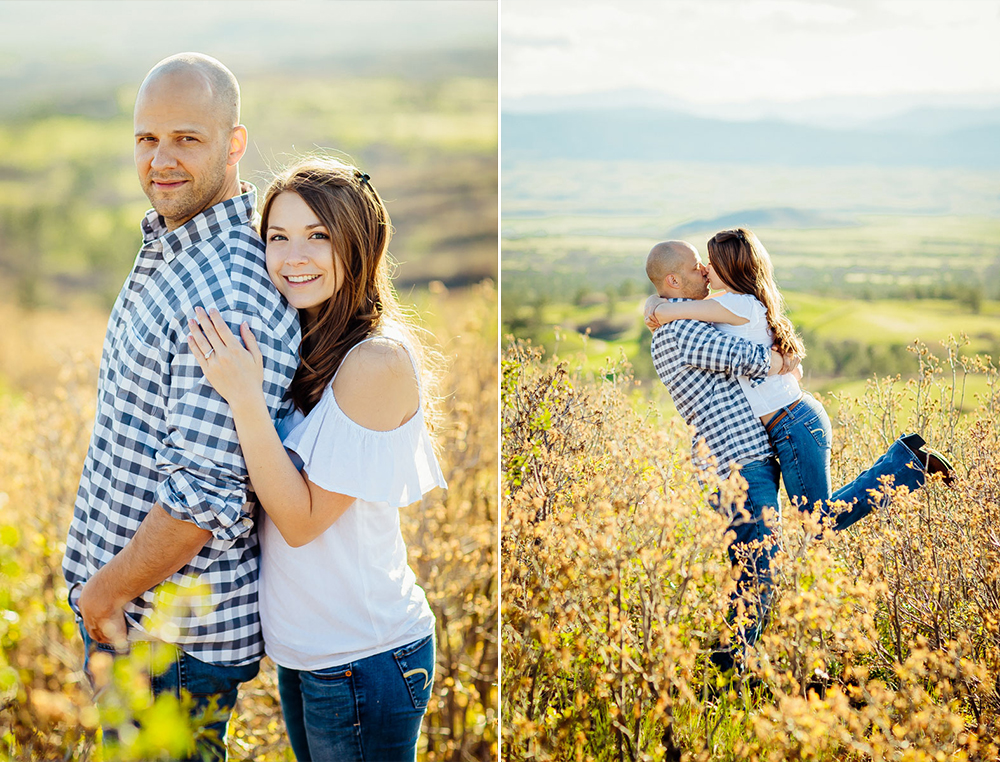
[416, 664]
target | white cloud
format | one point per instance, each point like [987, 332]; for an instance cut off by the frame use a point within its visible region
[725, 51]
[794, 10]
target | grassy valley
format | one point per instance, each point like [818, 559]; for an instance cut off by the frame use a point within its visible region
[870, 260]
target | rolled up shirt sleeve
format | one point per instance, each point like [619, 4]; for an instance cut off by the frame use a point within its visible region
[204, 478]
[706, 347]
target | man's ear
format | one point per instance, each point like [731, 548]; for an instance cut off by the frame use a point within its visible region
[672, 281]
[237, 145]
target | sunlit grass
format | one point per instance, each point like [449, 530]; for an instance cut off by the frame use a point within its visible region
[882, 644]
[48, 366]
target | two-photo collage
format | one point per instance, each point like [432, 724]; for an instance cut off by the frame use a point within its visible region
[472, 380]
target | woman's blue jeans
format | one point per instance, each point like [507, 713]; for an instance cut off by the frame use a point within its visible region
[801, 440]
[369, 710]
[754, 544]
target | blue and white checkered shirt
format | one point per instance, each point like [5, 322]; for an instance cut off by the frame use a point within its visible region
[699, 364]
[163, 435]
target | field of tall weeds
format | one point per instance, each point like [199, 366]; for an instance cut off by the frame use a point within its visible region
[883, 642]
[46, 413]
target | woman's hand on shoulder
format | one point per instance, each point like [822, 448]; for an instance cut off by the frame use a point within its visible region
[377, 385]
[235, 372]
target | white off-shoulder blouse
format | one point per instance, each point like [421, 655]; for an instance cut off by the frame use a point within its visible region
[349, 593]
[774, 392]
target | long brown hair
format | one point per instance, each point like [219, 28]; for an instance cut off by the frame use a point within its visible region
[346, 202]
[743, 264]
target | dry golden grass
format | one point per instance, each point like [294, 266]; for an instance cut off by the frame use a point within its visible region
[46, 411]
[884, 642]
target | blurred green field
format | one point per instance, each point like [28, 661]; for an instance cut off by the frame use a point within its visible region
[888, 321]
[875, 255]
[879, 321]
[887, 326]
[70, 202]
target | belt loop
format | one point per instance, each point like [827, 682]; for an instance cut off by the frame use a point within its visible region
[781, 414]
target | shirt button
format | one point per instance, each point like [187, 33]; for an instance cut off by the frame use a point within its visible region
[247, 523]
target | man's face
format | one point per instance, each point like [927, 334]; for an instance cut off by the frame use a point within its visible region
[693, 276]
[181, 148]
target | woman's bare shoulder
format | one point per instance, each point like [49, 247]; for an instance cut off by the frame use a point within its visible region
[377, 386]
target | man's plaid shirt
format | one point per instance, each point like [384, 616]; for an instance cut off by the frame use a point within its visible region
[699, 364]
[163, 435]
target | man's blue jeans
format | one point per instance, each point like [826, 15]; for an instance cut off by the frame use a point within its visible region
[755, 544]
[368, 710]
[203, 681]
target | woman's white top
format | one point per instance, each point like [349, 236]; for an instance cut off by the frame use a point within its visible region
[775, 392]
[349, 593]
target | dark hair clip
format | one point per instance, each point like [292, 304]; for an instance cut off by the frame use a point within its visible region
[364, 178]
[741, 235]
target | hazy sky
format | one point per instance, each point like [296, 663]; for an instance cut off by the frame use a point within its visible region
[68, 29]
[729, 51]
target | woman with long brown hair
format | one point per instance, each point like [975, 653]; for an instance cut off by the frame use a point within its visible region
[748, 304]
[341, 612]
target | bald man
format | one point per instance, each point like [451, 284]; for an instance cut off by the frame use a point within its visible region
[164, 495]
[188, 139]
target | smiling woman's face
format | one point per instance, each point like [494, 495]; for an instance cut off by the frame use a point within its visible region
[300, 258]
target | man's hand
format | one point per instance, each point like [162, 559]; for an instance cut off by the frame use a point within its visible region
[783, 363]
[161, 546]
[103, 615]
[790, 363]
[649, 311]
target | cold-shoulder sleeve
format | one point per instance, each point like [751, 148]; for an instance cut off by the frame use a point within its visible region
[397, 467]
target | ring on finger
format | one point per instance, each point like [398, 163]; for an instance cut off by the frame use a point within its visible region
[209, 353]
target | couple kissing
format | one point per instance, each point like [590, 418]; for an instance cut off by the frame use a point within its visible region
[730, 361]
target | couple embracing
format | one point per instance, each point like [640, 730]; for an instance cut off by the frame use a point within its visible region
[731, 364]
[254, 368]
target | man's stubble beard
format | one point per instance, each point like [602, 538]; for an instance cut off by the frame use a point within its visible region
[696, 290]
[195, 198]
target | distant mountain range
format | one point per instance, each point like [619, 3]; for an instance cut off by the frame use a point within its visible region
[785, 218]
[93, 88]
[929, 137]
[937, 111]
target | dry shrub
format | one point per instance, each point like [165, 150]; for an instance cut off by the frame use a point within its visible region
[46, 711]
[883, 641]
[452, 537]
[45, 706]
[602, 628]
